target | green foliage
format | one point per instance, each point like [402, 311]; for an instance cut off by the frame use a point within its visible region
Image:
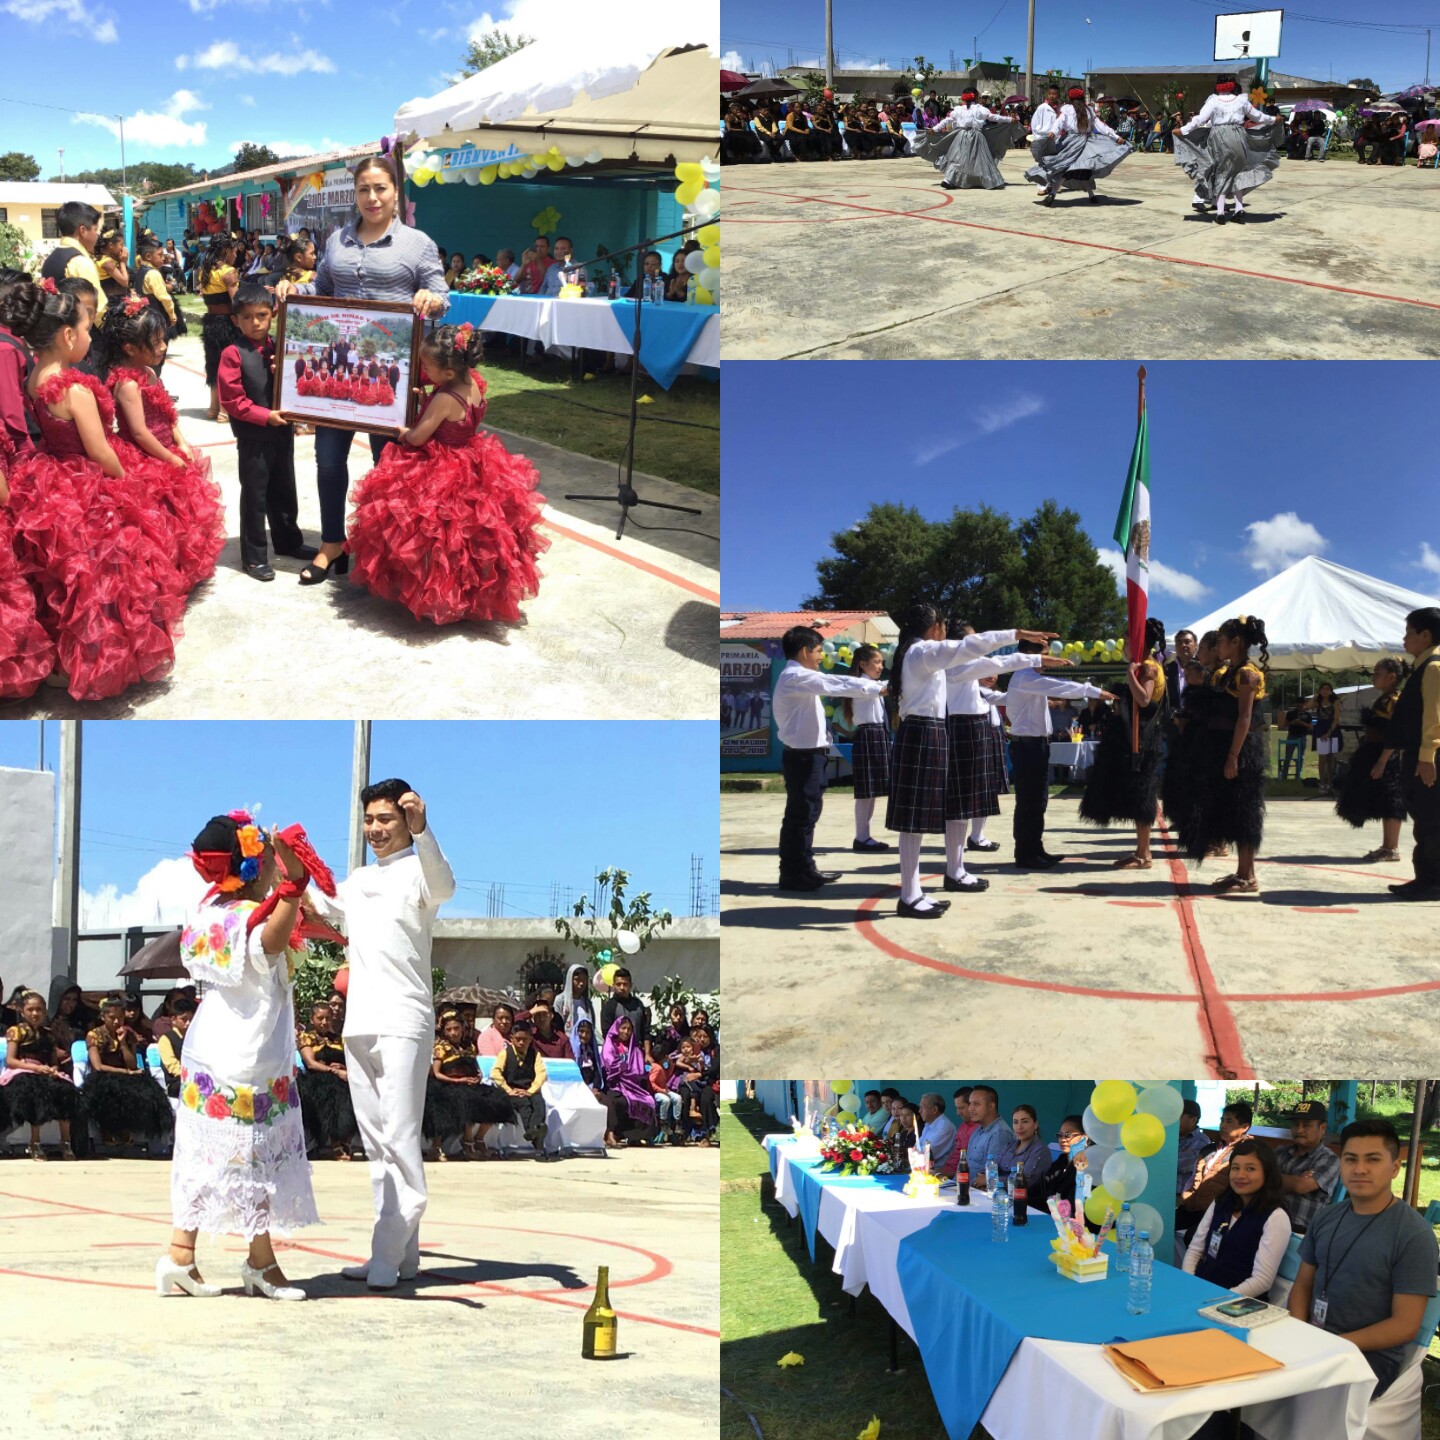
[812, 88]
[145, 177]
[17, 165]
[315, 976]
[1364, 83]
[1064, 587]
[252, 157]
[484, 50]
[16, 252]
[595, 934]
[673, 990]
[302, 326]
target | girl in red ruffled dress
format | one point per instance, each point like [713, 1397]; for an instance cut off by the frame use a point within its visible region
[131, 343]
[447, 522]
[27, 653]
[97, 548]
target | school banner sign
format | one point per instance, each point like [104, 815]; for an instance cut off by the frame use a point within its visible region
[744, 700]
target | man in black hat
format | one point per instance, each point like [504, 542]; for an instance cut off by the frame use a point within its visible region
[1309, 1167]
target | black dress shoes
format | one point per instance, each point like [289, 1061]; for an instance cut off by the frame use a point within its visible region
[913, 912]
[977, 882]
[260, 572]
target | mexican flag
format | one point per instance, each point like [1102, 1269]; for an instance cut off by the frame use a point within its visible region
[1132, 532]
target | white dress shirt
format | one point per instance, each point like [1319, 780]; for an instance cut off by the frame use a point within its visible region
[799, 716]
[994, 699]
[939, 1135]
[868, 709]
[1224, 110]
[962, 682]
[1042, 122]
[925, 664]
[388, 912]
[1274, 1240]
[966, 117]
[1067, 124]
[1027, 700]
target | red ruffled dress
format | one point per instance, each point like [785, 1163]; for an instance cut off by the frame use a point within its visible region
[189, 495]
[27, 652]
[449, 528]
[99, 552]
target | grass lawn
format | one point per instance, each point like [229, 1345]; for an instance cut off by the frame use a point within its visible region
[677, 437]
[773, 1301]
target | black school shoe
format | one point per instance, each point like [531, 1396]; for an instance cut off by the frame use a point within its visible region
[868, 847]
[978, 882]
[260, 572]
[801, 882]
[1038, 862]
[985, 845]
[1414, 890]
[305, 552]
[912, 912]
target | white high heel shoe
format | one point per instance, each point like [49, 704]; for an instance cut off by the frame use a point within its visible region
[169, 1277]
[254, 1280]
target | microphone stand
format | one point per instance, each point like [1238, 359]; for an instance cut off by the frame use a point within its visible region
[626, 495]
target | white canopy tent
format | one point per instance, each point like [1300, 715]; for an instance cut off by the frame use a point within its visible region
[1319, 615]
[643, 93]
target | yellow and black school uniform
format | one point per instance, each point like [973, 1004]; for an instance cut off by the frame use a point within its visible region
[1415, 730]
[1362, 799]
[1119, 791]
[68, 260]
[1228, 812]
[449, 1108]
[30, 1099]
[171, 1046]
[129, 1104]
[325, 1105]
[217, 330]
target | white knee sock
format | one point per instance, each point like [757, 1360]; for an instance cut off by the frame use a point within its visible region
[1219, 204]
[955, 849]
[977, 827]
[1238, 203]
[910, 891]
[864, 809]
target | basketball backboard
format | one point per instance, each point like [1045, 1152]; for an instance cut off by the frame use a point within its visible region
[1254, 35]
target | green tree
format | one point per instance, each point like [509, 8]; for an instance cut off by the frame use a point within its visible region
[1364, 83]
[253, 157]
[484, 50]
[16, 251]
[812, 88]
[17, 165]
[1064, 586]
[921, 66]
[595, 933]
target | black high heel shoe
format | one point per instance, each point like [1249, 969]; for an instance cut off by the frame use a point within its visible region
[314, 574]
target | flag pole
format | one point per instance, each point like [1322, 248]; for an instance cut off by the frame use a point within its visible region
[1135, 709]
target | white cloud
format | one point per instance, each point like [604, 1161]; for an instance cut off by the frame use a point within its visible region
[73, 13]
[986, 422]
[1429, 559]
[248, 101]
[1164, 579]
[165, 894]
[228, 56]
[1280, 541]
[204, 7]
[731, 60]
[431, 36]
[164, 129]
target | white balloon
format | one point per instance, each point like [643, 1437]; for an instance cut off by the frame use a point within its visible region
[706, 204]
[1125, 1175]
[710, 168]
[471, 177]
[1100, 1132]
[1148, 1218]
[710, 279]
[574, 160]
[1096, 1158]
[694, 262]
[1164, 1102]
[628, 941]
[593, 157]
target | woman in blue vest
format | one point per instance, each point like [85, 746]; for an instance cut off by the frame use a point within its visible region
[1241, 1240]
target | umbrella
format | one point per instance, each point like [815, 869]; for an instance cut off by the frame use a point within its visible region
[479, 995]
[729, 80]
[767, 88]
[1386, 107]
[1313, 105]
[1017, 99]
[1104, 99]
[1415, 92]
[159, 959]
[1428, 125]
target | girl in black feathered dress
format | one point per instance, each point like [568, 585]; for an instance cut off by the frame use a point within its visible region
[122, 1097]
[36, 1085]
[458, 1100]
[1372, 787]
[325, 1105]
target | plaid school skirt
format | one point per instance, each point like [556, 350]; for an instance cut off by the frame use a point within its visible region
[917, 778]
[996, 738]
[972, 781]
[870, 760]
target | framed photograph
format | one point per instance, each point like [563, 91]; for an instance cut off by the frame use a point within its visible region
[347, 363]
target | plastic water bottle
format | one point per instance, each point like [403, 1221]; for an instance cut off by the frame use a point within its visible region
[1000, 1211]
[691, 286]
[1142, 1264]
[1125, 1233]
[992, 1174]
[660, 290]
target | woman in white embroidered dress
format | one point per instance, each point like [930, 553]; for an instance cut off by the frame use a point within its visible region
[239, 1166]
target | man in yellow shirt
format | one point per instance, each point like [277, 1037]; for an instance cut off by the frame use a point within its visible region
[79, 226]
[1415, 731]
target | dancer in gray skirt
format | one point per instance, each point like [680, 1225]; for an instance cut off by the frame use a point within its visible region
[1086, 150]
[966, 146]
[1224, 158]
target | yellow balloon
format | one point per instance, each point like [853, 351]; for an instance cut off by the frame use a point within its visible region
[708, 234]
[711, 256]
[422, 177]
[555, 162]
[689, 192]
[554, 150]
[487, 175]
[1142, 1135]
[536, 161]
[703, 296]
[1099, 1202]
[688, 170]
[1113, 1100]
[840, 1087]
[845, 1118]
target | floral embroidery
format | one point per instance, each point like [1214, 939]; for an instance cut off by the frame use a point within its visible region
[247, 1104]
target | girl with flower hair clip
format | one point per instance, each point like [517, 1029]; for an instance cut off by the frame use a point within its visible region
[239, 1166]
[447, 522]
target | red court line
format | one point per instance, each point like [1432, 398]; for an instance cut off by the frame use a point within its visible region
[712, 595]
[1325, 909]
[1098, 245]
[1226, 1054]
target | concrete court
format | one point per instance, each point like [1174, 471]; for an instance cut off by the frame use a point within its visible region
[1320, 971]
[619, 629]
[874, 260]
[489, 1336]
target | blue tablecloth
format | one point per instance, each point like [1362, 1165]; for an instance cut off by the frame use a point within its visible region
[556, 1070]
[809, 1183]
[972, 1302]
[667, 332]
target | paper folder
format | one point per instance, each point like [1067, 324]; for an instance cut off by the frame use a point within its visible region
[1177, 1362]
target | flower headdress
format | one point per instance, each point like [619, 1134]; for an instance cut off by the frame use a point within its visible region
[463, 334]
[215, 865]
[48, 286]
[134, 305]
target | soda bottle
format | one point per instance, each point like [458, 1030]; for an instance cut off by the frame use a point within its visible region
[1019, 1195]
[1142, 1264]
[962, 1179]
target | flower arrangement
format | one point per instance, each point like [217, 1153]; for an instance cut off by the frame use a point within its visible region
[855, 1152]
[484, 280]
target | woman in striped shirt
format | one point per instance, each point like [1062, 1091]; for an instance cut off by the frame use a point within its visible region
[376, 256]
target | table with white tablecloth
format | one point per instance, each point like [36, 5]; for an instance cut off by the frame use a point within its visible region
[1321, 1394]
[1075, 755]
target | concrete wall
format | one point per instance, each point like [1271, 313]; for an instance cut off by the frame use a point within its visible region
[491, 952]
[27, 840]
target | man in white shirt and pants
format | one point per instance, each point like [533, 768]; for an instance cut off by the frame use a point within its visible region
[388, 912]
[1042, 122]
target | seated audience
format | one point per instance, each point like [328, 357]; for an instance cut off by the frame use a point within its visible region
[330, 1124]
[138, 1024]
[991, 1135]
[1211, 1177]
[1194, 1143]
[1309, 1168]
[1026, 1151]
[936, 1130]
[38, 1087]
[172, 1042]
[624, 1001]
[1241, 1238]
[492, 1041]
[550, 1040]
[623, 1062]
[1059, 1178]
[120, 1096]
[458, 1102]
[667, 1099]
[575, 996]
[874, 1116]
[519, 1071]
[964, 1127]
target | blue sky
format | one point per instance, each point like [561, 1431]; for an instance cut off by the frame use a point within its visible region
[1073, 35]
[526, 804]
[194, 78]
[1252, 464]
